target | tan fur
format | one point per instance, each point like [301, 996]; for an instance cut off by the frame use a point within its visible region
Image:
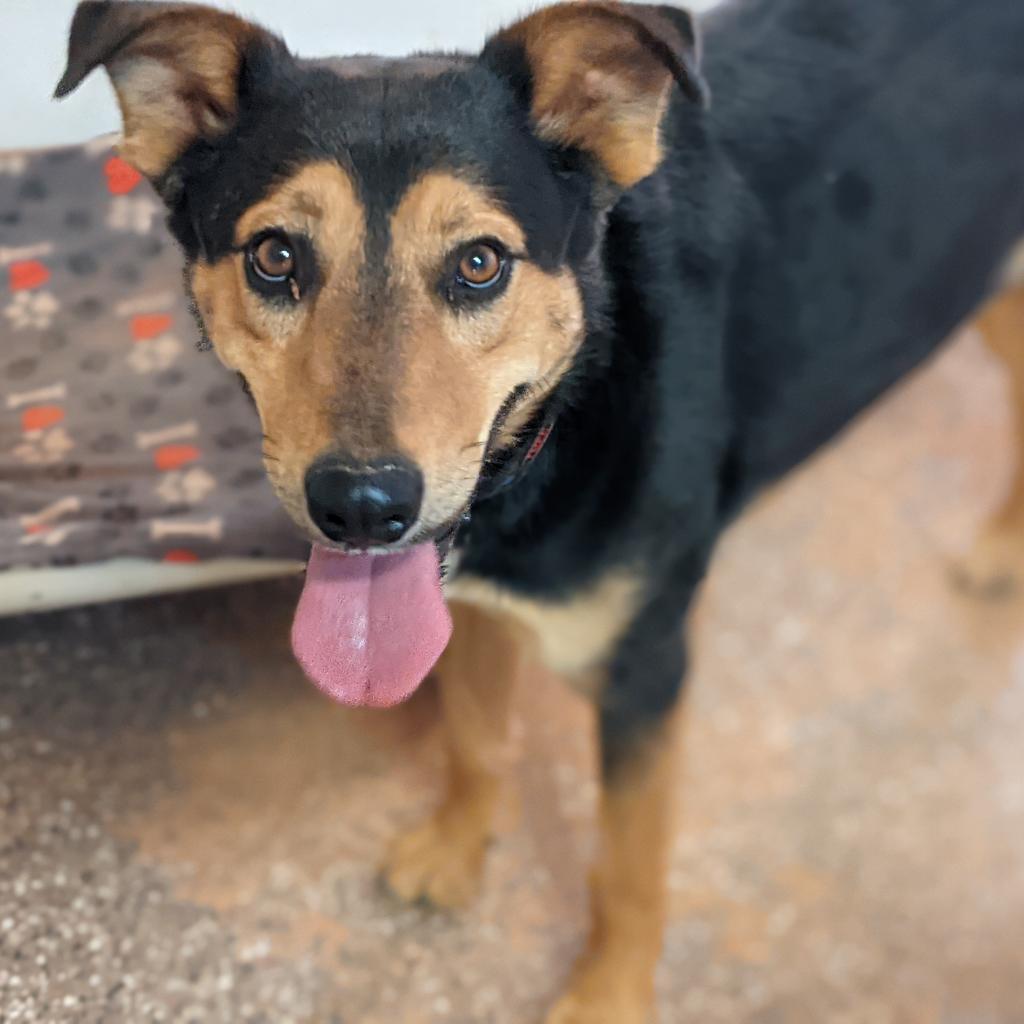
[442, 860]
[398, 371]
[614, 979]
[596, 86]
[573, 638]
[457, 369]
[176, 79]
[291, 358]
[995, 567]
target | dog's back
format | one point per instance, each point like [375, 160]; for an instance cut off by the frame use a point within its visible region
[883, 145]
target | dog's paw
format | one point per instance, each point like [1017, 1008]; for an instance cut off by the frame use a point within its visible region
[994, 569]
[582, 1008]
[601, 994]
[439, 862]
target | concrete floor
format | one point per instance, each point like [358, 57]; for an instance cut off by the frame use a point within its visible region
[189, 833]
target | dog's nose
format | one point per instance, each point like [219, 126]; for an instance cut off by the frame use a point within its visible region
[364, 506]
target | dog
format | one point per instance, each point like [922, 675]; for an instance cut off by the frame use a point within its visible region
[527, 330]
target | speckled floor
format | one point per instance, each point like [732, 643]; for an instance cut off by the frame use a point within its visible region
[189, 833]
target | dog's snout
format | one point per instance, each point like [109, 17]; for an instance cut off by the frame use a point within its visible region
[364, 505]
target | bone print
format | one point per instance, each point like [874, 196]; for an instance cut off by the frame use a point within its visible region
[179, 432]
[162, 529]
[50, 393]
[78, 417]
[51, 512]
[12, 254]
[158, 301]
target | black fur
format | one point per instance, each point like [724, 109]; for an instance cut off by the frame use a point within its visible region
[772, 278]
[845, 203]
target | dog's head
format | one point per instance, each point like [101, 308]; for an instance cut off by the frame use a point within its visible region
[390, 253]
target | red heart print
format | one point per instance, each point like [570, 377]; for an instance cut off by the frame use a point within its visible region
[39, 417]
[121, 177]
[174, 456]
[181, 556]
[150, 325]
[27, 274]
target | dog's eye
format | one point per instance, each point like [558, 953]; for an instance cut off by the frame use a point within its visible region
[481, 265]
[478, 273]
[273, 258]
[272, 265]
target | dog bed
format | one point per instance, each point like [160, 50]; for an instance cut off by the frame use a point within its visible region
[129, 462]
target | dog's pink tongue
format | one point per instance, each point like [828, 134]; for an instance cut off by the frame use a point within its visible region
[369, 628]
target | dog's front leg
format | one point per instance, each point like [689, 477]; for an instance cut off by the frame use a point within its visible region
[614, 980]
[995, 567]
[442, 860]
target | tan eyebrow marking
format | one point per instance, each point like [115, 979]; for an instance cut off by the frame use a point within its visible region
[320, 199]
[441, 210]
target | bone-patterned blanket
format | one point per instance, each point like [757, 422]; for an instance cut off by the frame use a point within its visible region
[117, 438]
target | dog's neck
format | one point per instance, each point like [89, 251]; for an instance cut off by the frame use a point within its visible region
[590, 462]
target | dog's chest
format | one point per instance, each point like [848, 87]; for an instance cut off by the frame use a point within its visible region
[574, 637]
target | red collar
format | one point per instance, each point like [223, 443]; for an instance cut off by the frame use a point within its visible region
[511, 464]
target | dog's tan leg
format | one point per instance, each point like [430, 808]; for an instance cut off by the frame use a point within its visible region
[614, 980]
[442, 860]
[995, 567]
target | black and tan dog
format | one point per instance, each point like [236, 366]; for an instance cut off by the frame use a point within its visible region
[544, 319]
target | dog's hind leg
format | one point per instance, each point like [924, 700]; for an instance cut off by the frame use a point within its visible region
[614, 980]
[442, 860]
[995, 566]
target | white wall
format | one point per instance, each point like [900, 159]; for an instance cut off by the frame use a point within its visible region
[34, 34]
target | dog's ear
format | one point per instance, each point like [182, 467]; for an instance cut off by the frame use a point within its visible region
[598, 77]
[175, 69]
